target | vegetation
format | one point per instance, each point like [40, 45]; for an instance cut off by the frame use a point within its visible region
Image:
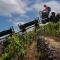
[16, 45]
[52, 29]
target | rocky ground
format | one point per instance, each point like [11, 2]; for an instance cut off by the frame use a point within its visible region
[54, 44]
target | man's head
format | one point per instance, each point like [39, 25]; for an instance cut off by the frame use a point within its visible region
[45, 5]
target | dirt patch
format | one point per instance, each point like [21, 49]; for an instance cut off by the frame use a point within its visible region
[32, 51]
[54, 44]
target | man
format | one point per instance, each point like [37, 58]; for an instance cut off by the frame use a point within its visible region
[46, 11]
[45, 14]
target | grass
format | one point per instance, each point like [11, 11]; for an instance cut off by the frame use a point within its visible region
[17, 44]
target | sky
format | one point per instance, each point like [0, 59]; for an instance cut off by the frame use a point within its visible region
[14, 12]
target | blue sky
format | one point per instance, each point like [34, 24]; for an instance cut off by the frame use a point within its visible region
[14, 12]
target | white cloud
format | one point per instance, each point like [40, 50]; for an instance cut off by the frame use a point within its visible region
[7, 7]
[15, 25]
[21, 7]
[12, 6]
[38, 6]
[16, 22]
[55, 6]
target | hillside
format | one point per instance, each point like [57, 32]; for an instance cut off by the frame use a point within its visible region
[18, 47]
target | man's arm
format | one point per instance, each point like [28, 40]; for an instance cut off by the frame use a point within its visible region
[46, 9]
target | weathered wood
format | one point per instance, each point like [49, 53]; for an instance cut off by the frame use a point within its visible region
[28, 24]
[5, 32]
[24, 26]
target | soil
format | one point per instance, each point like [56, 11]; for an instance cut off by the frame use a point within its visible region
[32, 52]
[54, 44]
